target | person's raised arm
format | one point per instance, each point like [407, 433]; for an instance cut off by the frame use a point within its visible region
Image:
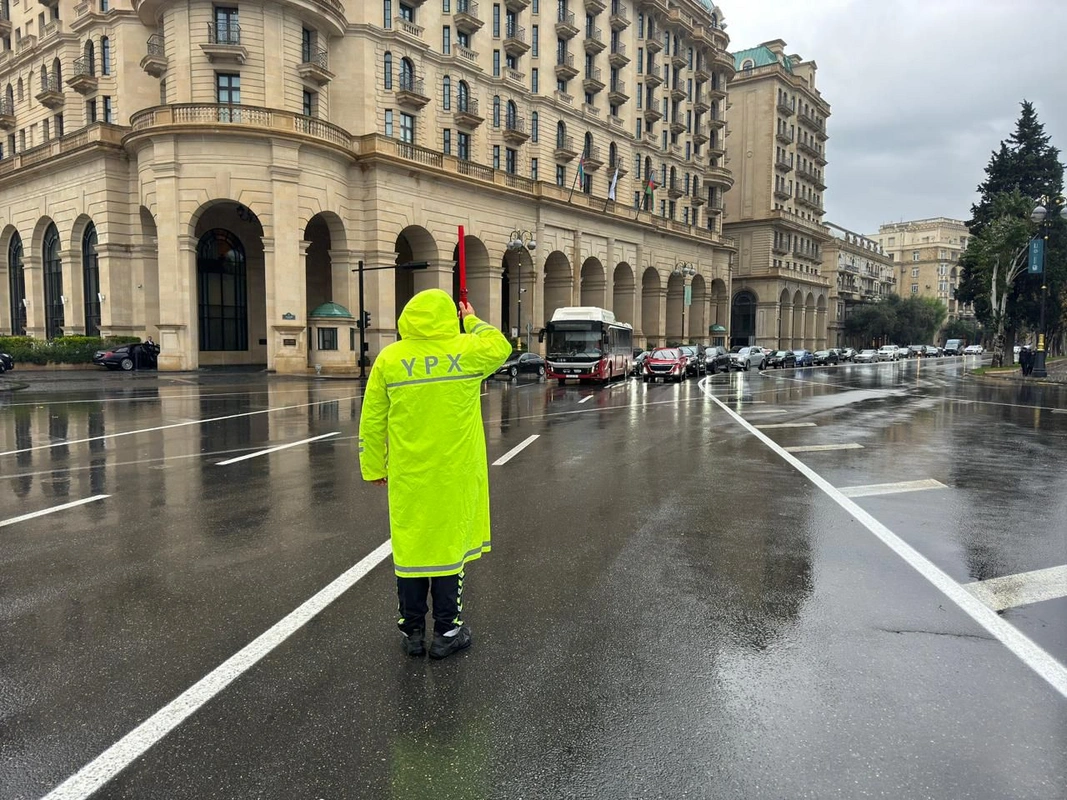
[493, 347]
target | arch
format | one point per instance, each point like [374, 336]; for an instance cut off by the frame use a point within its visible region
[482, 280]
[516, 284]
[676, 309]
[222, 291]
[559, 281]
[22, 90]
[463, 95]
[743, 318]
[785, 320]
[561, 134]
[809, 321]
[720, 307]
[651, 294]
[89, 54]
[90, 280]
[798, 320]
[587, 144]
[44, 77]
[52, 275]
[407, 73]
[622, 293]
[613, 155]
[697, 317]
[593, 286]
[387, 65]
[57, 72]
[413, 244]
[446, 93]
[105, 55]
[496, 111]
[9, 98]
[747, 65]
[512, 115]
[16, 277]
[674, 178]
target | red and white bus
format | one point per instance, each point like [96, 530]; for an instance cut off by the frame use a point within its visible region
[587, 344]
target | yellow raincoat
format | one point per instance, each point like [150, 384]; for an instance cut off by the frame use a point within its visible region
[421, 427]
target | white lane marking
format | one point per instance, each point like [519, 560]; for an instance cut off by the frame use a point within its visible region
[777, 425]
[585, 399]
[873, 489]
[768, 411]
[53, 510]
[270, 450]
[130, 747]
[153, 398]
[1021, 589]
[179, 425]
[510, 454]
[1047, 667]
[822, 448]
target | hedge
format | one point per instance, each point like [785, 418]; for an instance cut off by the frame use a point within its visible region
[62, 350]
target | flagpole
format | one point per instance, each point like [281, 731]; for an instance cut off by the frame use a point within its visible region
[577, 172]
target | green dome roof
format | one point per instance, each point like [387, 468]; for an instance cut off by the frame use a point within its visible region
[331, 310]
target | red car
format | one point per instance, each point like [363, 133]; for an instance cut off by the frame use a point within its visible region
[668, 363]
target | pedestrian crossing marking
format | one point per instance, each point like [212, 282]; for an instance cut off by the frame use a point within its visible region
[777, 425]
[873, 489]
[820, 448]
[1021, 589]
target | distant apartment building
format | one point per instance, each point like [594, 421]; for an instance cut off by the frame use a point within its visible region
[859, 271]
[777, 153]
[926, 253]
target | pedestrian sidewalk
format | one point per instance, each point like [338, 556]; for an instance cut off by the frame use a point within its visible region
[1056, 369]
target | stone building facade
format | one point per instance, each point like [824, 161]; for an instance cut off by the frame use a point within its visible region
[859, 271]
[926, 253]
[209, 173]
[777, 153]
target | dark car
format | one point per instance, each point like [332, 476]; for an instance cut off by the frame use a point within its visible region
[826, 357]
[139, 355]
[6, 363]
[522, 362]
[695, 355]
[780, 359]
[639, 360]
[804, 358]
[716, 359]
[667, 363]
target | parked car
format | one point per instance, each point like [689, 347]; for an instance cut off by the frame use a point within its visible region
[847, 353]
[931, 351]
[522, 362]
[780, 359]
[716, 359]
[953, 347]
[804, 358]
[916, 351]
[868, 357]
[139, 355]
[639, 361]
[825, 357]
[667, 363]
[695, 359]
[889, 352]
[746, 357]
[973, 350]
[6, 363]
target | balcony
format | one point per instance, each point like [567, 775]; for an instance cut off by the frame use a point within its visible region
[674, 190]
[617, 94]
[223, 45]
[652, 115]
[515, 130]
[515, 77]
[807, 174]
[678, 93]
[411, 92]
[696, 198]
[716, 121]
[807, 119]
[784, 108]
[678, 127]
[594, 40]
[716, 92]
[27, 42]
[408, 29]
[594, 7]
[5, 23]
[86, 13]
[467, 115]
[83, 81]
[565, 26]
[778, 248]
[699, 137]
[51, 94]
[719, 176]
[820, 159]
[678, 59]
[592, 82]
[784, 137]
[653, 44]
[7, 115]
[652, 76]
[782, 193]
[49, 3]
[516, 5]
[592, 160]
[701, 73]
[466, 17]
[515, 43]
[154, 63]
[725, 60]
[700, 103]
[783, 164]
[617, 57]
[715, 205]
[465, 53]
[565, 69]
[565, 149]
[619, 21]
[315, 66]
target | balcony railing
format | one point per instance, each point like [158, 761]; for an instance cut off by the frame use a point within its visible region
[224, 33]
[468, 105]
[157, 46]
[468, 7]
[50, 83]
[213, 114]
[318, 56]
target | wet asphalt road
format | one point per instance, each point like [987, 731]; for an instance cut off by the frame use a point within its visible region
[670, 609]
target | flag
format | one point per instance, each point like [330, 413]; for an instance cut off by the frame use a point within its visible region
[651, 186]
[611, 189]
[581, 172]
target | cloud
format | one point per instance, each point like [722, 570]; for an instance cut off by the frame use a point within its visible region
[921, 92]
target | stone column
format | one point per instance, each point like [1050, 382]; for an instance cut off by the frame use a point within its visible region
[32, 269]
[576, 269]
[639, 272]
[609, 276]
[766, 323]
[117, 311]
[436, 276]
[785, 335]
[73, 293]
[379, 298]
[179, 346]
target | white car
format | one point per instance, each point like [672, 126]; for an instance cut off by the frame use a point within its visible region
[747, 357]
[867, 357]
[973, 350]
[889, 352]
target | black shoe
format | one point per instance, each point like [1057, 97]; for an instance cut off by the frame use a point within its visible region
[444, 646]
[414, 643]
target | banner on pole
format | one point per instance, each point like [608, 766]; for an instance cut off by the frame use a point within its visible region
[688, 295]
[1037, 256]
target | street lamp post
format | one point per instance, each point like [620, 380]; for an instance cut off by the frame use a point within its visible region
[686, 270]
[1044, 215]
[520, 240]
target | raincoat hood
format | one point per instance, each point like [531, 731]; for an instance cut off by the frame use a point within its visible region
[430, 314]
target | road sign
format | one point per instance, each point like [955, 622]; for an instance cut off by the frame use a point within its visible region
[1037, 256]
[689, 295]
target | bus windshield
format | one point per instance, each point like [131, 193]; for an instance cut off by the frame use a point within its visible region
[573, 341]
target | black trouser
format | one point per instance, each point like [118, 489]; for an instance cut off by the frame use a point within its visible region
[447, 591]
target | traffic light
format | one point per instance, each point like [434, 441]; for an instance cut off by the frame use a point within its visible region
[365, 322]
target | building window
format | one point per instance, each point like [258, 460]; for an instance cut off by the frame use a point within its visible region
[307, 45]
[446, 40]
[327, 338]
[535, 45]
[561, 175]
[16, 280]
[446, 93]
[496, 156]
[227, 29]
[407, 13]
[914, 255]
[915, 272]
[496, 20]
[389, 122]
[53, 283]
[496, 111]
[105, 55]
[228, 93]
[163, 92]
[91, 281]
[496, 63]
[464, 146]
[407, 74]
[446, 141]
[407, 128]
[310, 99]
[387, 14]
[222, 292]
[535, 123]
[533, 169]
[915, 288]
[533, 80]
[90, 110]
[511, 160]
[388, 66]
[108, 117]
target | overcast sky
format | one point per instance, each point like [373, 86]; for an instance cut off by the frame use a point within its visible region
[921, 92]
